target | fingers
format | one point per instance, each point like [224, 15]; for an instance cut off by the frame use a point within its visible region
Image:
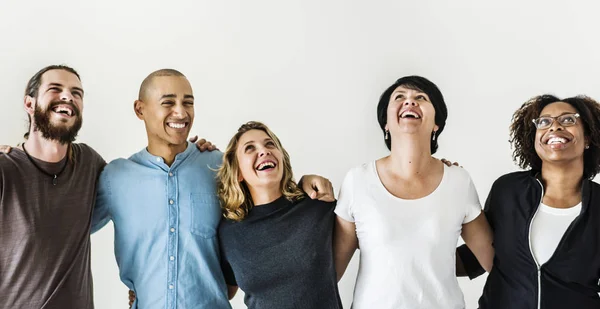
[195, 138]
[131, 298]
[5, 149]
[326, 197]
[206, 146]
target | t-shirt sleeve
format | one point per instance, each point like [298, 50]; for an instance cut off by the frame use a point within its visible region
[472, 204]
[101, 213]
[345, 201]
[228, 272]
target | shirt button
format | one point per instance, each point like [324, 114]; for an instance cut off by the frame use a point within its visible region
[172, 230]
[157, 159]
[171, 202]
[171, 287]
[171, 258]
[171, 174]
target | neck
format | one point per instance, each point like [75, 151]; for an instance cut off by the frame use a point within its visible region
[562, 180]
[410, 156]
[166, 151]
[261, 196]
[44, 149]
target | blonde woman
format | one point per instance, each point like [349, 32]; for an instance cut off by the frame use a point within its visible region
[276, 242]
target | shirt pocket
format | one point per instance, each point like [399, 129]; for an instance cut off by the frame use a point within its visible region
[206, 214]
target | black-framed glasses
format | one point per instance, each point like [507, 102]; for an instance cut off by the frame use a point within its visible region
[565, 120]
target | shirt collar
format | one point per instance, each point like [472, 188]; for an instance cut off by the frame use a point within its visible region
[149, 159]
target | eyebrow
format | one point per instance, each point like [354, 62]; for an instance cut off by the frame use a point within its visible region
[61, 85]
[565, 113]
[265, 140]
[404, 91]
[173, 96]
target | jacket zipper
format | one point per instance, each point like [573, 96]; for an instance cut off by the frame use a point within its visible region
[537, 265]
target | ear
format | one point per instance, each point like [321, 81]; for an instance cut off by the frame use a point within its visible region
[29, 105]
[386, 127]
[240, 178]
[138, 108]
[436, 128]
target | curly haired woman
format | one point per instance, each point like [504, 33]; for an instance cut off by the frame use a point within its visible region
[546, 220]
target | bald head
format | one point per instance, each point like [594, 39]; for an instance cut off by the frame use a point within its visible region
[147, 83]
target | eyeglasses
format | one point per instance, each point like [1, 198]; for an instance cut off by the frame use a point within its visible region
[565, 120]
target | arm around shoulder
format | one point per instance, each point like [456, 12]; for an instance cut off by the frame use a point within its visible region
[478, 237]
[345, 244]
[101, 213]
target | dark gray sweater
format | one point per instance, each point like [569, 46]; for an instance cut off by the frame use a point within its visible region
[281, 255]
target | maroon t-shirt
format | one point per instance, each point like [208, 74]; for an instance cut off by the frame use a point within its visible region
[45, 230]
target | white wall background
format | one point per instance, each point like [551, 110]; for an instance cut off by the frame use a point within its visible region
[310, 69]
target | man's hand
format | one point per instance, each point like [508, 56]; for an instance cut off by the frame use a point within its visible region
[449, 163]
[5, 148]
[203, 145]
[317, 187]
[131, 298]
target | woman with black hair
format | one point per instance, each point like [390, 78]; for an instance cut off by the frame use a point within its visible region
[546, 220]
[406, 211]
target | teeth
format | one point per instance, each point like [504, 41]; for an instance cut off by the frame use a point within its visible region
[557, 140]
[411, 114]
[61, 109]
[176, 125]
[265, 165]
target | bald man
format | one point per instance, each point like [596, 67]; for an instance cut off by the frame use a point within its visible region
[163, 203]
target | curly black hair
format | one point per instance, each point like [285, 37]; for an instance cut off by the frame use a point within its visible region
[522, 131]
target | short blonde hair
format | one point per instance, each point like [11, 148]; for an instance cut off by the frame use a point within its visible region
[234, 195]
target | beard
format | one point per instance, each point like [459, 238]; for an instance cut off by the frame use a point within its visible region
[61, 132]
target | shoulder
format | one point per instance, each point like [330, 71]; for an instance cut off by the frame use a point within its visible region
[87, 153]
[212, 159]
[457, 173]
[513, 180]
[360, 172]
[114, 169]
[307, 201]
[118, 165]
[594, 186]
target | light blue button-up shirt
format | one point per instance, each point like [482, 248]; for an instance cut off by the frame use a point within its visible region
[166, 220]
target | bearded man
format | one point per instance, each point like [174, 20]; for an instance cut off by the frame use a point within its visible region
[47, 194]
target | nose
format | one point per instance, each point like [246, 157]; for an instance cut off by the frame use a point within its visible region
[179, 110]
[410, 102]
[66, 96]
[556, 126]
[263, 152]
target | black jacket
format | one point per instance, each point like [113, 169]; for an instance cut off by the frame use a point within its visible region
[570, 278]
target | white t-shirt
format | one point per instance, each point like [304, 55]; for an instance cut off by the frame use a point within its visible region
[548, 227]
[407, 247]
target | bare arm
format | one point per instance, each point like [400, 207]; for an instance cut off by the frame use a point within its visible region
[345, 244]
[477, 235]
